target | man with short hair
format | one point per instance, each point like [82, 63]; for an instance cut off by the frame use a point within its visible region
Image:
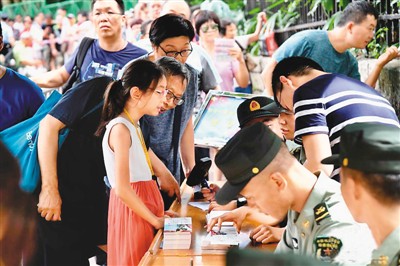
[323, 104]
[259, 109]
[249, 112]
[370, 182]
[20, 97]
[106, 56]
[259, 167]
[330, 49]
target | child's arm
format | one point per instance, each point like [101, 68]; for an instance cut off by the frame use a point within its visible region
[120, 141]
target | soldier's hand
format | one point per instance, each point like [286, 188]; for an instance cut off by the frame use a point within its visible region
[236, 216]
[214, 206]
[267, 234]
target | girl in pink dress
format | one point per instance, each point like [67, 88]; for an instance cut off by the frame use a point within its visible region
[136, 208]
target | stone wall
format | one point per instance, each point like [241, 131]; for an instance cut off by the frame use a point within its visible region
[389, 81]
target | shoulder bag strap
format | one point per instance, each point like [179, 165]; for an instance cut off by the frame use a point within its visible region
[82, 50]
[175, 134]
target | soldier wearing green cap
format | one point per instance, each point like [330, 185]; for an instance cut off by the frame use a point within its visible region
[256, 109]
[258, 166]
[370, 176]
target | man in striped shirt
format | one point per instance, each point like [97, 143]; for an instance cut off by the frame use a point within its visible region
[323, 104]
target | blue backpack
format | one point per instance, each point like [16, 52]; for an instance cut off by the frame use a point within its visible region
[21, 139]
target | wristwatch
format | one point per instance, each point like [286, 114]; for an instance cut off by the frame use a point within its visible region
[241, 202]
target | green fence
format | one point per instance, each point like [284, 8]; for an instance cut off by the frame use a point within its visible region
[33, 7]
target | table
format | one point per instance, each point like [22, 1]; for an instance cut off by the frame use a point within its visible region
[156, 256]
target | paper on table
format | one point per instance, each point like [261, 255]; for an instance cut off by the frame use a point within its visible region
[203, 205]
[225, 238]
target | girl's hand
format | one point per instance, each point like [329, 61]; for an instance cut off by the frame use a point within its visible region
[159, 223]
[169, 184]
[170, 214]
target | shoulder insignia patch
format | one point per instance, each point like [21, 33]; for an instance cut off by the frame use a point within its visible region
[321, 212]
[327, 247]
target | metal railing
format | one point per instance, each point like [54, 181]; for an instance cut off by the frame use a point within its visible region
[388, 9]
[33, 7]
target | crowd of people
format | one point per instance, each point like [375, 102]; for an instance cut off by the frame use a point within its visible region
[333, 197]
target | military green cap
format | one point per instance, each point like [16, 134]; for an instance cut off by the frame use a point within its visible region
[369, 147]
[259, 106]
[246, 154]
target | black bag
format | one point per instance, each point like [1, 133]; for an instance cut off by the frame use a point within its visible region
[76, 71]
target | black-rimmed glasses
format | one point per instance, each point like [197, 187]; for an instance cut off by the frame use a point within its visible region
[174, 54]
[177, 100]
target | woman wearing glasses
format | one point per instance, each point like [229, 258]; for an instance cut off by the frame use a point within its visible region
[171, 134]
[228, 58]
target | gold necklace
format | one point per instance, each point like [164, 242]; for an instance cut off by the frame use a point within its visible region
[140, 135]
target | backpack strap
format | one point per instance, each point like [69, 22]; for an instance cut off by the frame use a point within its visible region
[80, 56]
[175, 137]
[83, 48]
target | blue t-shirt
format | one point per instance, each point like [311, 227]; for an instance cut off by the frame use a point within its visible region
[315, 44]
[19, 98]
[326, 104]
[99, 62]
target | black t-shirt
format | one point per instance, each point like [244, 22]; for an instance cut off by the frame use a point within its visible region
[80, 167]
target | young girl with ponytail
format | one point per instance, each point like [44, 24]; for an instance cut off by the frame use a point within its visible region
[135, 207]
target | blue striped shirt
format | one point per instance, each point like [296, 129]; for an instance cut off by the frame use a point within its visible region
[329, 102]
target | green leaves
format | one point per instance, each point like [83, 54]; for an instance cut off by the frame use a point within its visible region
[378, 45]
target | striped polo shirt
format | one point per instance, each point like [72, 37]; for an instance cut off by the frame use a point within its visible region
[329, 102]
